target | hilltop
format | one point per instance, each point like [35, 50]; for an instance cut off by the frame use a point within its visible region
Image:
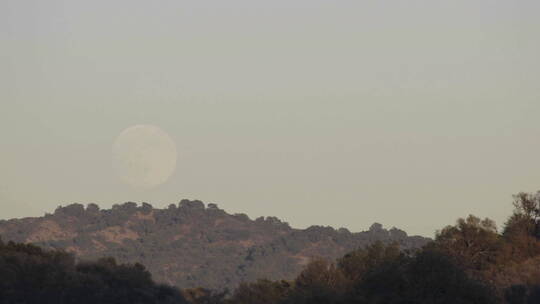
[192, 244]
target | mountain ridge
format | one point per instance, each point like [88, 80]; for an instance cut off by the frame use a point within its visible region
[192, 244]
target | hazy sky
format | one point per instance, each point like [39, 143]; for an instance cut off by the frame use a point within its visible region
[342, 113]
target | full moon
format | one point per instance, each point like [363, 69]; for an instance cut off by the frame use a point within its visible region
[144, 156]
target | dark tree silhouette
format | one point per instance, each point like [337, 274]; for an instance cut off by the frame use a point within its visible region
[29, 274]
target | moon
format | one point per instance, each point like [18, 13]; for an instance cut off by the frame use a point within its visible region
[144, 156]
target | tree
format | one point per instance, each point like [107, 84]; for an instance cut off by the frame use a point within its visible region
[201, 295]
[356, 264]
[472, 243]
[29, 274]
[433, 277]
[320, 282]
[261, 292]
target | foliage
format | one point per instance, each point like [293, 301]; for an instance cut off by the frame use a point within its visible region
[262, 291]
[467, 263]
[190, 245]
[201, 295]
[30, 275]
[473, 243]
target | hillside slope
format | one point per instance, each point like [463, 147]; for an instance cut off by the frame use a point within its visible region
[190, 244]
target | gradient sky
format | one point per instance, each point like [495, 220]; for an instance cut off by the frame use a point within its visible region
[342, 113]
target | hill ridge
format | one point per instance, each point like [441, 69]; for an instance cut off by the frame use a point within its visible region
[191, 244]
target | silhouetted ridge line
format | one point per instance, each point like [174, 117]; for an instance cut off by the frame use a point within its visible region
[191, 244]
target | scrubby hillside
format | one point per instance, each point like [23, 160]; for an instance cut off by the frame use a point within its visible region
[191, 244]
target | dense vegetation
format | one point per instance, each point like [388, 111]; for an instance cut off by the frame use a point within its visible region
[470, 262]
[190, 244]
[29, 274]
